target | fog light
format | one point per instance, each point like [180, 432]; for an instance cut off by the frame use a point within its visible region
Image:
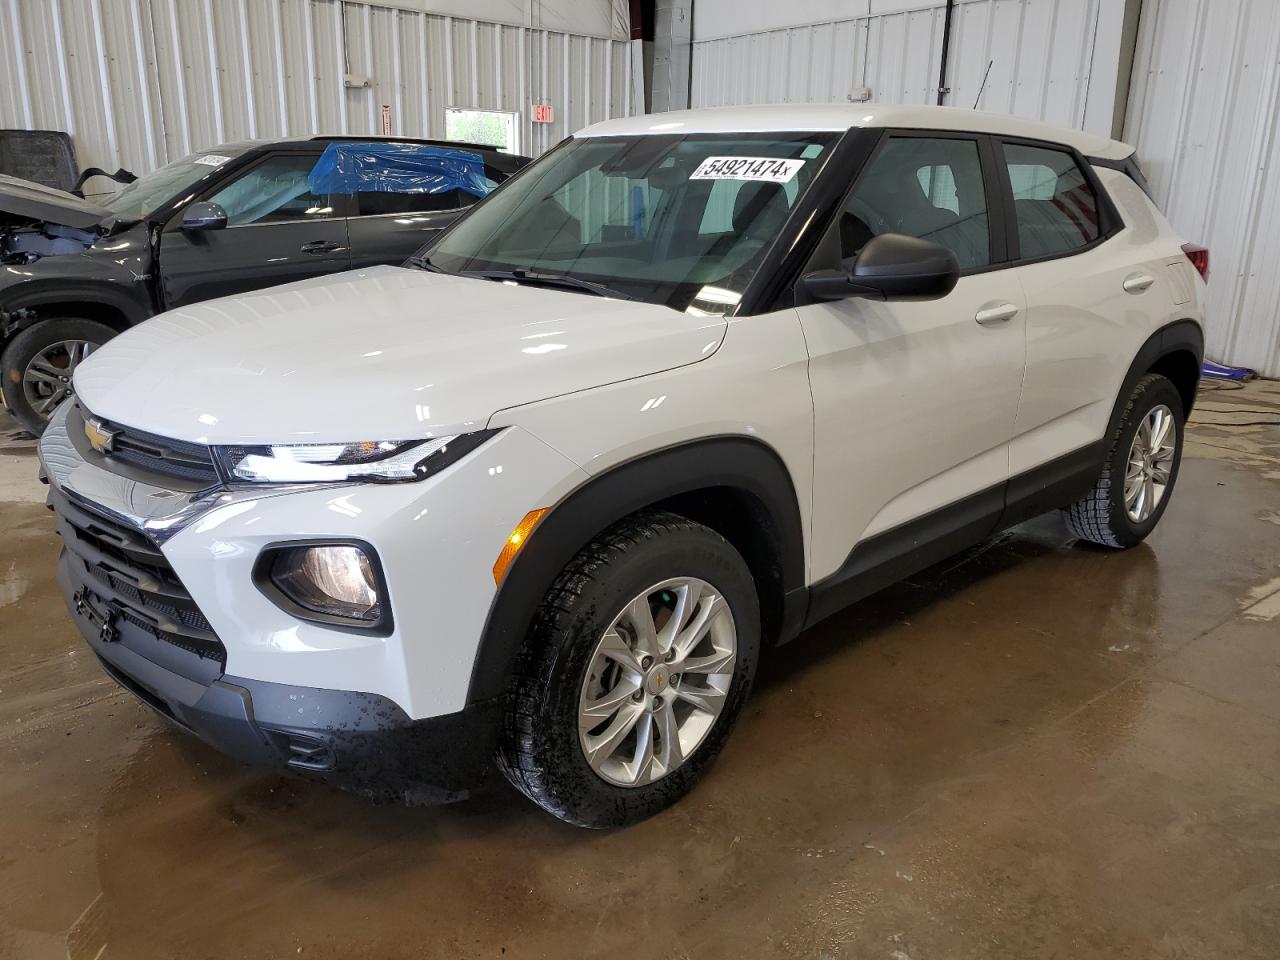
[335, 580]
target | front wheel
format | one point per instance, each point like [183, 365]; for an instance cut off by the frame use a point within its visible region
[636, 667]
[38, 365]
[1133, 489]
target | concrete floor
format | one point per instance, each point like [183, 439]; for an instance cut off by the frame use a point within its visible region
[1035, 750]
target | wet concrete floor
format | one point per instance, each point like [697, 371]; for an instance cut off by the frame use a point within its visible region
[1034, 750]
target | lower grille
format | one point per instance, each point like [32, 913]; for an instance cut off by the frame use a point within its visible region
[128, 574]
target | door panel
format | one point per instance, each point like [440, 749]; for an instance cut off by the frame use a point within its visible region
[1088, 310]
[277, 232]
[914, 406]
[393, 238]
[1083, 330]
[217, 263]
[914, 403]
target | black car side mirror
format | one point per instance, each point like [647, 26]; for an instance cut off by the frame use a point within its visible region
[891, 266]
[204, 216]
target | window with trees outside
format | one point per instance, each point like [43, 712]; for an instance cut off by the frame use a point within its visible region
[493, 128]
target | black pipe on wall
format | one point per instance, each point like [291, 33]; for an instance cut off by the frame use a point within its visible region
[943, 89]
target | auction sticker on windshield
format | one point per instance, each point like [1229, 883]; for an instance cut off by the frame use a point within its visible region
[772, 169]
[212, 159]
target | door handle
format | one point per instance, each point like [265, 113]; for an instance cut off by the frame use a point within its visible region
[1000, 313]
[1139, 283]
[316, 247]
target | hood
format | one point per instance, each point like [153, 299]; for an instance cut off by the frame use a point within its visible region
[34, 201]
[388, 353]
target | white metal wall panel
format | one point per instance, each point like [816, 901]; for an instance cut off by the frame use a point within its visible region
[902, 56]
[1039, 51]
[1204, 112]
[138, 83]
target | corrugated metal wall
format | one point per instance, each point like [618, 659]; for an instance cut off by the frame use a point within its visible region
[140, 82]
[1204, 109]
[1040, 52]
[1204, 112]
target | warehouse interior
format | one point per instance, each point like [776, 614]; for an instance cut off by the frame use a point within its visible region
[1191, 85]
[1033, 748]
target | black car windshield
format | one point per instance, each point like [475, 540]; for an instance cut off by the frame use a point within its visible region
[138, 199]
[680, 220]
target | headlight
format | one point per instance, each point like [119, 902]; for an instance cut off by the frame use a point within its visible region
[385, 461]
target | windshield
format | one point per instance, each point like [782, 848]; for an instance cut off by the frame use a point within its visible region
[158, 187]
[679, 220]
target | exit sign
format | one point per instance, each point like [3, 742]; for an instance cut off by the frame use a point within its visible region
[542, 113]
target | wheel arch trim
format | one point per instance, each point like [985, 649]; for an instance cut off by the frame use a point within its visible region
[743, 464]
[47, 297]
[1184, 336]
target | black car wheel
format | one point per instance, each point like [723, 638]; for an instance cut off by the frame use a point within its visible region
[38, 365]
[1133, 488]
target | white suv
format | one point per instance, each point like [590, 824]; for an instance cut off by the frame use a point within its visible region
[680, 389]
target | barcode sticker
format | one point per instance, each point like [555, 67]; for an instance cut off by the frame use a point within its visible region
[212, 160]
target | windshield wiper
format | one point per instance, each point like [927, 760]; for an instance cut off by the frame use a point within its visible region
[424, 263]
[549, 280]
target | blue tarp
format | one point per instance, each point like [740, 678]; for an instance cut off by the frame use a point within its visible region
[1219, 371]
[398, 168]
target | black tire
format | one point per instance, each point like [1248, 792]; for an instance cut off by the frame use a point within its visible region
[540, 751]
[1100, 516]
[26, 346]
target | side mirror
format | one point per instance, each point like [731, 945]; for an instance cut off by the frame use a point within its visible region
[891, 266]
[204, 216]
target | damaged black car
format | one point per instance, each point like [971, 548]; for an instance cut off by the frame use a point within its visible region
[75, 272]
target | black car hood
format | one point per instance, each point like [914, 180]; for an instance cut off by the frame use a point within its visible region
[34, 201]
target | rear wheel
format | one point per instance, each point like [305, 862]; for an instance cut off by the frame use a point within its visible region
[637, 665]
[38, 365]
[1133, 489]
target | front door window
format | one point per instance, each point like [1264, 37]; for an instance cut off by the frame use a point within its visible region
[276, 190]
[923, 187]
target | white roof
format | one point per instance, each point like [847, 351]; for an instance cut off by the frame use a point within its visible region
[842, 116]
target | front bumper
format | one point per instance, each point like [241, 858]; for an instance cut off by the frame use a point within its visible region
[436, 542]
[170, 576]
[360, 742]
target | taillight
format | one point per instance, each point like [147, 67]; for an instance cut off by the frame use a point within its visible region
[1199, 257]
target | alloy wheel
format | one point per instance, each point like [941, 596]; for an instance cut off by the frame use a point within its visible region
[1150, 464]
[47, 380]
[656, 682]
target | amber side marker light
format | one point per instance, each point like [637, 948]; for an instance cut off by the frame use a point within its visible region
[511, 549]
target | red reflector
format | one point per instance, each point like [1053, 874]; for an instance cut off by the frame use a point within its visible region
[1199, 257]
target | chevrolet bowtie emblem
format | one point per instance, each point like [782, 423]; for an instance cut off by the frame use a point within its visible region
[100, 437]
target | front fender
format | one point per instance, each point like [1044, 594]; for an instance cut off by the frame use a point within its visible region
[112, 273]
[127, 302]
[740, 463]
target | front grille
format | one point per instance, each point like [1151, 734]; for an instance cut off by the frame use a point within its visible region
[155, 454]
[129, 574]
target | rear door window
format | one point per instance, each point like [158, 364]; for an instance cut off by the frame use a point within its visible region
[1053, 202]
[402, 177]
[378, 202]
[407, 197]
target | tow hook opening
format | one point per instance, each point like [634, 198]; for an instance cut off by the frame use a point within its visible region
[302, 752]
